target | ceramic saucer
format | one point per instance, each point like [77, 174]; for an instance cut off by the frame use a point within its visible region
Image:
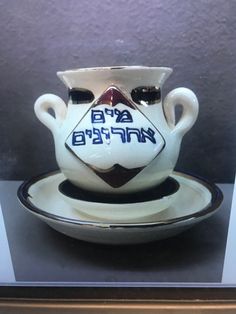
[122, 207]
[196, 200]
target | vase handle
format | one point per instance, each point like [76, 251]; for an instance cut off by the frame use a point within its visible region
[188, 100]
[46, 102]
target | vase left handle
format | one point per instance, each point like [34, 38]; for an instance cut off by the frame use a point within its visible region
[46, 102]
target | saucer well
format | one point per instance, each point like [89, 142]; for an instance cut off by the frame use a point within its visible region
[196, 200]
[122, 207]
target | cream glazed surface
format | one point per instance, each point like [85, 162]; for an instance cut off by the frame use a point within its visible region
[116, 135]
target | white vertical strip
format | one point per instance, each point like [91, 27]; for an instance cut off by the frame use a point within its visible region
[6, 268]
[229, 270]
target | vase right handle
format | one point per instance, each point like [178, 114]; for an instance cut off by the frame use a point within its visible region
[188, 100]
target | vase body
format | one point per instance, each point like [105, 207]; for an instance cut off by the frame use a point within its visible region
[116, 134]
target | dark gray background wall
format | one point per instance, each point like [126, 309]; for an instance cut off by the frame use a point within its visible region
[196, 38]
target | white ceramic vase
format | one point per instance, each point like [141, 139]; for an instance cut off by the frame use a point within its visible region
[116, 135]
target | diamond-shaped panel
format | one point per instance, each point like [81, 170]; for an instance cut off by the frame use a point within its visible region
[115, 139]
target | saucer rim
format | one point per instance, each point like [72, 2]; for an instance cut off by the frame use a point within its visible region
[215, 202]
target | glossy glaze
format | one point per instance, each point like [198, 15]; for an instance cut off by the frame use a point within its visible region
[195, 201]
[118, 143]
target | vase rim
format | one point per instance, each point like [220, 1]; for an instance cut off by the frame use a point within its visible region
[115, 68]
[129, 76]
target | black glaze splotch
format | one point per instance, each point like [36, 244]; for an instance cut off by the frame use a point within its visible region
[146, 94]
[167, 188]
[80, 96]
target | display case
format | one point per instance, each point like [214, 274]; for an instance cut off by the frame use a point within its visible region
[186, 262]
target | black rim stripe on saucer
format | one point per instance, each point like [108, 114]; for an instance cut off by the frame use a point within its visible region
[216, 199]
